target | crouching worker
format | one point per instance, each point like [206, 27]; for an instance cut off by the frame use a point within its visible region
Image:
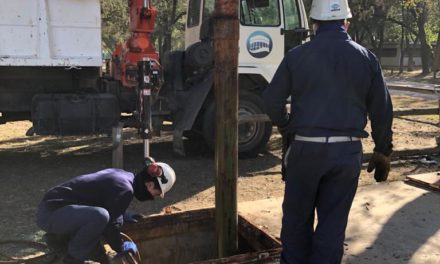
[92, 206]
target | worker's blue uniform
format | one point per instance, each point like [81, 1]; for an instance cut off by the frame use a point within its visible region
[86, 208]
[334, 83]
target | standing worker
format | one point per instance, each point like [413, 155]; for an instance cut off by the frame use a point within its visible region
[334, 83]
[92, 206]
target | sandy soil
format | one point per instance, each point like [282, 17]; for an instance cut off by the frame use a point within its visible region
[31, 165]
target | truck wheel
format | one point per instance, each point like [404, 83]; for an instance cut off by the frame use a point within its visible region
[252, 137]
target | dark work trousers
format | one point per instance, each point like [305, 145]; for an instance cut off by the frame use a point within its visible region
[83, 224]
[321, 176]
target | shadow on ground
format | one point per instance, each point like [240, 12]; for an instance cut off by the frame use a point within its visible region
[397, 236]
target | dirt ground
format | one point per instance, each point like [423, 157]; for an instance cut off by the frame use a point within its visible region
[31, 165]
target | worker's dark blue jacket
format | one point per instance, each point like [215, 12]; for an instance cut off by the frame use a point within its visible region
[333, 83]
[111, 189]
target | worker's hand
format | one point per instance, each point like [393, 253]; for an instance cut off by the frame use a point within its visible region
[129, 247]
[130, 217]
[381, 164]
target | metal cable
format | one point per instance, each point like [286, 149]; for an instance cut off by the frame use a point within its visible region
[137, 256]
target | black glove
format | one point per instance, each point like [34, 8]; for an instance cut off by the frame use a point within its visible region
[381, 164]
[130, 217]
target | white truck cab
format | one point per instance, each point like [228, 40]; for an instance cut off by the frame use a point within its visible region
[268, 29]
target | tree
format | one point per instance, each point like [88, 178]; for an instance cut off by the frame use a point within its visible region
[374, 23]
[436, 64]
[170, 25]
[419, 10]
[114, 20]
[370, 23]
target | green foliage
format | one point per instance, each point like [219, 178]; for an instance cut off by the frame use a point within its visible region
[114, 17]
[370, 17]
[373, 22]
[165, 25]
[433, 25]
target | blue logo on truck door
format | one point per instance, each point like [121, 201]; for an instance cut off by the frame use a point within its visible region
[259, 44]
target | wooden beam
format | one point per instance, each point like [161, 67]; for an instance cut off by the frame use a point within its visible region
[428, 180]
[414, 111]
[226, 35]
[414, 87]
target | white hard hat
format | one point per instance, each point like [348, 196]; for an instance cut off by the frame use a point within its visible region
[168, 178]
[325, 10]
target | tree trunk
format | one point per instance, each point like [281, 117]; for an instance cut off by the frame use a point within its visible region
[380, 13]
[410, 51]
[169, 28]
[436, 64]
[402, 42]
[371, 36]
[425, 49]
[381, 40]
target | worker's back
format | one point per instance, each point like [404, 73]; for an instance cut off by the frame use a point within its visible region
[331, 77]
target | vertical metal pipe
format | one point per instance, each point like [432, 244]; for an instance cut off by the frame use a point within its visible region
[118, 144]
[145, 103]
[147, 122]
[146, 148]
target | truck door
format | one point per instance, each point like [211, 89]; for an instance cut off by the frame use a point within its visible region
[261, 42]
[294, 32]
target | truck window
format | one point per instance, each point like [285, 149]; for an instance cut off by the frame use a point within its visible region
[291, 15]
[208, 8]
[259, 12]
[193, 13]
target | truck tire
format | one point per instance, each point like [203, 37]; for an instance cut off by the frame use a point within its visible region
[252, 137]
